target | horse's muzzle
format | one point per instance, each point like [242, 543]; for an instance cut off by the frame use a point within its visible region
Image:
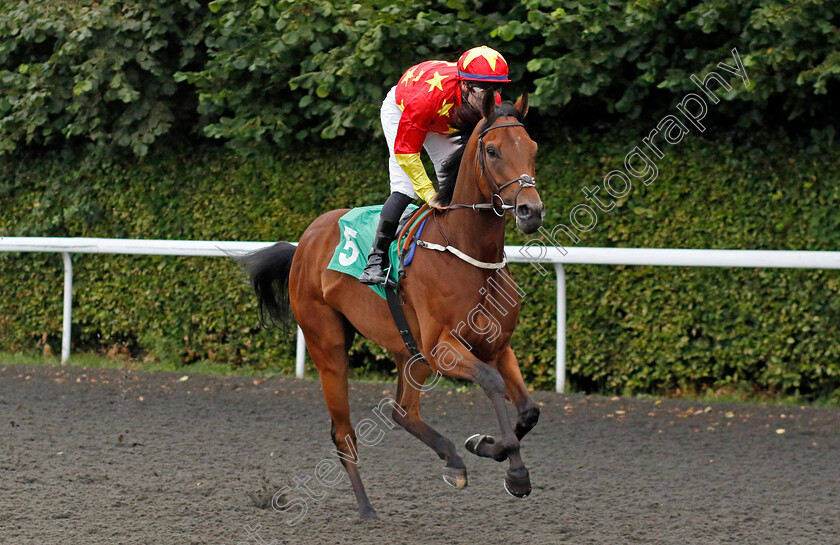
[529, 216]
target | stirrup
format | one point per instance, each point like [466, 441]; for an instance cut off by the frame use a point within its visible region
[383, 280]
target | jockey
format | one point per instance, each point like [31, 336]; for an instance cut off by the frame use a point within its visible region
[416, 114]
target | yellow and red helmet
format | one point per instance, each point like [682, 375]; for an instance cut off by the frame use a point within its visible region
[483, 64]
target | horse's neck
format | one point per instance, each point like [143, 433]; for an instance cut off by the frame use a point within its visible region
[480, 235]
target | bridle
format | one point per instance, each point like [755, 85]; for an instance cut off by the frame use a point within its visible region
[496, 193]
[500, 207]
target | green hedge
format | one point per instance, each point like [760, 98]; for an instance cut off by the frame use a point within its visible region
[100, 74]
[662, 329]
[80, 84]
[628, 55]
[115, 76]
[184, 308]
[631, 329]
[296, 69]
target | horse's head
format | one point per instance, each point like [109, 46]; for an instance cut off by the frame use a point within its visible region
[506, 158]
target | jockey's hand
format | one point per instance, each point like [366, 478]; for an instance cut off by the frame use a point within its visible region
[434, 202]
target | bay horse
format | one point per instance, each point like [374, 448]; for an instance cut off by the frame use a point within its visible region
[438, 291]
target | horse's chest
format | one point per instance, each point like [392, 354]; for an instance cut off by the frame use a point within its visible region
[485, 328]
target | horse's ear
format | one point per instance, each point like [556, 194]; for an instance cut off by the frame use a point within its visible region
[522, 105]
[488, 105]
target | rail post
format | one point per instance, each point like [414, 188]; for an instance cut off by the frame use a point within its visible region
[300, 355]
[560, 378]
[68, 307]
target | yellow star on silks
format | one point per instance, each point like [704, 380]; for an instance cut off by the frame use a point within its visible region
[408, 75]
[450, 130]
[401, 105]
[420, 75]
[444, 108]
[490, 55]
[435, 81]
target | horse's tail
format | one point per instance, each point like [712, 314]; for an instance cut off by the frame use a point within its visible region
[269, 269]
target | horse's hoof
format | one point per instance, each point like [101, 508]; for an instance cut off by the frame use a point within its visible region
[368, 514]
[455, 477]
[474, 441]
[518, 486]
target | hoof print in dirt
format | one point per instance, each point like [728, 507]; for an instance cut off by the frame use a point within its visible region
[263, 498]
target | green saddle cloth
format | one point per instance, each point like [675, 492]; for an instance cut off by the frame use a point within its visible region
[358, 228]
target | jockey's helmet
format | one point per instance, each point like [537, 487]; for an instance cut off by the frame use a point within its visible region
[483, 64]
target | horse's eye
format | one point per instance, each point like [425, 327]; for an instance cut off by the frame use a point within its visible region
[491, 152]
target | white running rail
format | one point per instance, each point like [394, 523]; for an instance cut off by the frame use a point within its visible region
[516, 254]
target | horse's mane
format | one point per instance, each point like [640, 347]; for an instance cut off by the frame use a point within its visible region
[465, 120]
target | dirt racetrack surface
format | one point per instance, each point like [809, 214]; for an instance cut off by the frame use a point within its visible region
[96, 456]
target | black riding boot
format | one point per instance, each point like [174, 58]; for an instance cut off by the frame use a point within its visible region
[374, 272]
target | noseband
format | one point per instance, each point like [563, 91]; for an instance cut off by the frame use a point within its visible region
[500, 207]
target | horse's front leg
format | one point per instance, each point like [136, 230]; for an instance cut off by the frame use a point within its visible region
[517, 481]
[527, 409]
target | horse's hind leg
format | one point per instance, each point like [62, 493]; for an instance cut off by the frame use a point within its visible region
[411, 378]
[328, 339]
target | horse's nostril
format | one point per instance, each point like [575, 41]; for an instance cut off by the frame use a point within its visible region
[523, 211]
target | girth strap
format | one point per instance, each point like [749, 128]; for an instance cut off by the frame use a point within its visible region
[394, 304]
